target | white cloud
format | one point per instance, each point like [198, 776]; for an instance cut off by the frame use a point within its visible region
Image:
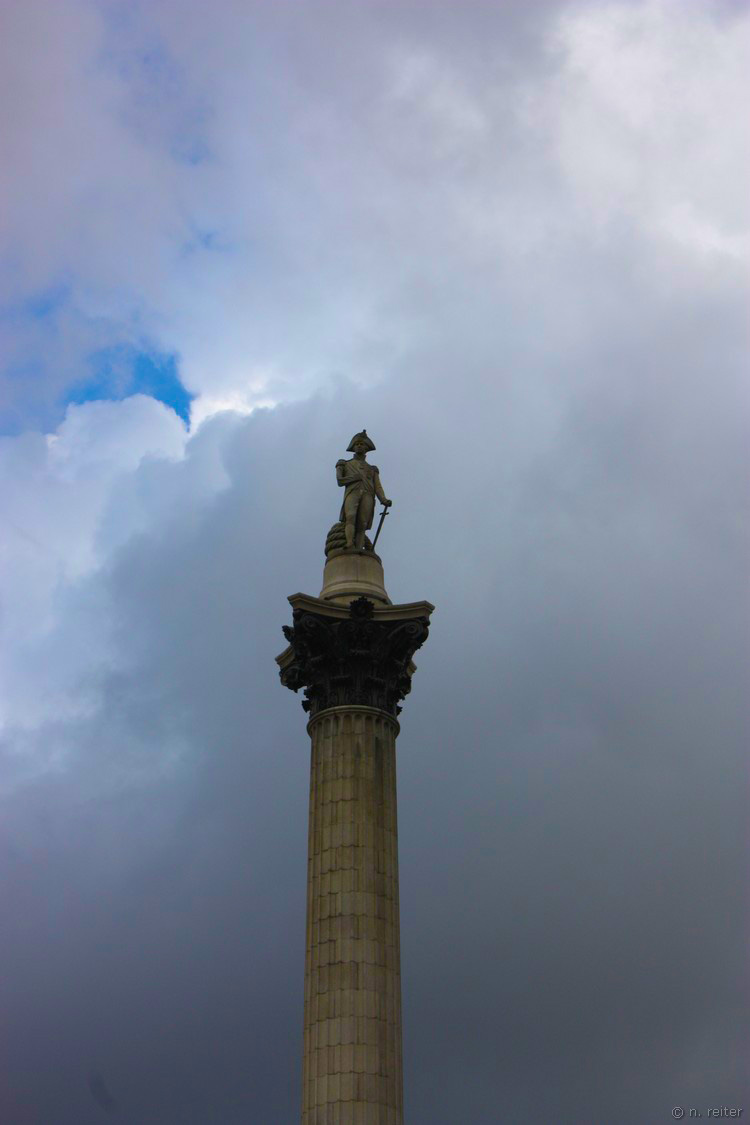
[645, 121]
[56, 496]
[302, 222]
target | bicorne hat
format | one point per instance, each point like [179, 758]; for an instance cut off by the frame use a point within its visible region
[362, 436]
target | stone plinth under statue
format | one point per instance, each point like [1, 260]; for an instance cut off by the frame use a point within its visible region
[350, 651]
[350, 574]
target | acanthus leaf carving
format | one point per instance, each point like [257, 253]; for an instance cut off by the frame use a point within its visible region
[356, 660]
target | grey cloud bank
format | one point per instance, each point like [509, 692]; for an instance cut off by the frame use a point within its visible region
[572, 811]
[542, 314]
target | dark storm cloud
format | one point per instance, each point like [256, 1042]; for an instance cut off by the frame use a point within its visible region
[571, 767]
[562, 428]
[101, 1094]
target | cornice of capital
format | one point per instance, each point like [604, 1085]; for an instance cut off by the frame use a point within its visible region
[356, 655]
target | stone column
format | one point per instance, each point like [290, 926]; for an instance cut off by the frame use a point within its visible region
[352, 1036]
[353, 657]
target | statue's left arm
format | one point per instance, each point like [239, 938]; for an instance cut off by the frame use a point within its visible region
[379, 491]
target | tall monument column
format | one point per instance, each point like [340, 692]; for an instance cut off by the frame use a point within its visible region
[351, 650]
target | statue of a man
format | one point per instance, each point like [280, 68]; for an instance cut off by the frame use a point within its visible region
[362, 484]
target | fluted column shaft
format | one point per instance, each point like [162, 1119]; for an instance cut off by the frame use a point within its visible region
[352, 1066]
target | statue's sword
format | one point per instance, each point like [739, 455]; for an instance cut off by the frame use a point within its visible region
[383, 514]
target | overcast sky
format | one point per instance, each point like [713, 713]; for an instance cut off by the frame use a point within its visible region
[511, 239]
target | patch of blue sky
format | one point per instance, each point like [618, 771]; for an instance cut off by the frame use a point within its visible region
[121, 371]
[205, 240]
[188, 149]
[162, 105]
[39, 306]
